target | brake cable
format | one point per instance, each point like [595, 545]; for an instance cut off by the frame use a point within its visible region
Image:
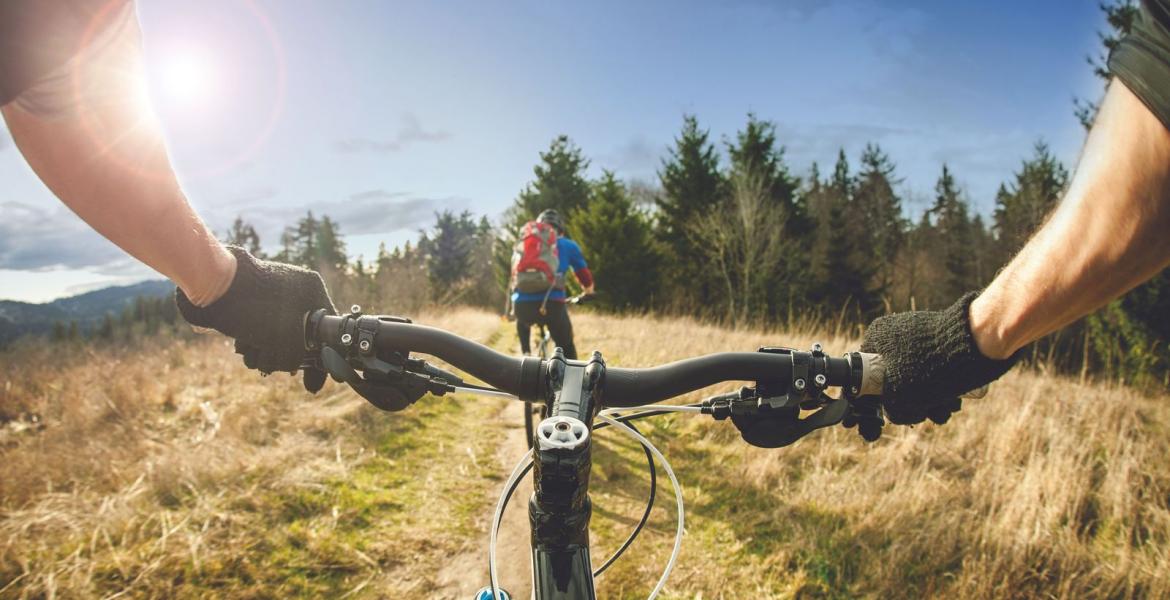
[651, 411]
[678, 536]
[645, 514]
[525, 465]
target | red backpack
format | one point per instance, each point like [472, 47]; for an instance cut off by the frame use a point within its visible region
[534, 259]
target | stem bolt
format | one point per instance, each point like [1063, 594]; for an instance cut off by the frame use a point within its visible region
[817, 348]
[346, 339]
[364, 345]
[820, 380]
[355, 309]
[799, 385]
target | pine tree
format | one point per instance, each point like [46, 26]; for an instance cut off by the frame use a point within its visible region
[692, 186]
[401, 283]
[818, 197]
[913, 284]
[618, 240]
[484, 281]
[756, 153]
[1121, 16]
[244, 235]
[455, 252]
[287, 247]
[954, 240]
[559, 184]
[305, 241]
[1022, 206]
[757, 158]
[984, 252]
[848, 264]
[299, 242]
[329, 245]
[881, 223]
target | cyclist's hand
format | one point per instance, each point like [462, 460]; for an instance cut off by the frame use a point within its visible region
[930, 360]
[264, 310]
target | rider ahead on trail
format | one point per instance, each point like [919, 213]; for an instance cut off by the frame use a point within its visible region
[555, 315]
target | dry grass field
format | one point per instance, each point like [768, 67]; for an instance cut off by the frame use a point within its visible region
[168, 470]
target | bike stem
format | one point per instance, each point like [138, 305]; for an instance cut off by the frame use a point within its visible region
[559, 509]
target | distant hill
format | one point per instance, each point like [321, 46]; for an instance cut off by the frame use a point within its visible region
[23, 318]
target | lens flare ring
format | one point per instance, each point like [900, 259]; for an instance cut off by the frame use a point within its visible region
[101, 18]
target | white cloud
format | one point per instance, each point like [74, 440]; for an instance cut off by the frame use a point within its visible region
[409, 132]
[367, 212]
[33, 237]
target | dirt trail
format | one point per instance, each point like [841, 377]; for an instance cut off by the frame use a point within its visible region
[467, 573]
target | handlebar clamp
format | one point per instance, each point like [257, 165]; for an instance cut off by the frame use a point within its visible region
[804, 389]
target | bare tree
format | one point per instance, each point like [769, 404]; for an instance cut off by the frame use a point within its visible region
[743, 242]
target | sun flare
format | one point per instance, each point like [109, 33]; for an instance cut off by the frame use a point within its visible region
[188, 78]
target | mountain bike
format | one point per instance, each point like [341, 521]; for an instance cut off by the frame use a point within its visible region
[787, 396]
[544, 347]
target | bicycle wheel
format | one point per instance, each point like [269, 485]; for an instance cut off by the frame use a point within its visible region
[530, 408]
[528, 425]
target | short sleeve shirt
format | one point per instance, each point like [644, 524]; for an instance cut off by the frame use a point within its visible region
[38, 37]
[1142, 59]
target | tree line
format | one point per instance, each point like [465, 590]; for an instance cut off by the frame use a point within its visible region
[732, 234]
[143, 316]
[729, 232]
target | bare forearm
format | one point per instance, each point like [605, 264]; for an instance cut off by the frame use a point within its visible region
[127, 192]
[104, 157]
[1110, 233]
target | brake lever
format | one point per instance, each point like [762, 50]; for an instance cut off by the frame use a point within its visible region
[778, 418]
[381, 384]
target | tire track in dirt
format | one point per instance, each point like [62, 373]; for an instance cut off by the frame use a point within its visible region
[466, 573]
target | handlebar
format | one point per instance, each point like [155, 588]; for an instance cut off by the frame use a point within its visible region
[624, 387]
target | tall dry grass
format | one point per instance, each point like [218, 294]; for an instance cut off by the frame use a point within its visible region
[168, 470]
[1046, 488]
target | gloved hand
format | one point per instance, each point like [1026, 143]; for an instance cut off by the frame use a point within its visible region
[264, 310]
[930, 360]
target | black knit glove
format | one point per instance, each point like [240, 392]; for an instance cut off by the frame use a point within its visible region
[930, 360]
[264, 310]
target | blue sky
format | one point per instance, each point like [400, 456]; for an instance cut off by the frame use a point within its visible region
[379, 113]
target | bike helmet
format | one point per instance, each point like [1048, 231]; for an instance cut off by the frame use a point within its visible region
[553, 218]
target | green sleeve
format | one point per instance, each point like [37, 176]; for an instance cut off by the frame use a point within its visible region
[1142, 59]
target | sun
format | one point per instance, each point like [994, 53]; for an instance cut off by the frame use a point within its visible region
[189, 78]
